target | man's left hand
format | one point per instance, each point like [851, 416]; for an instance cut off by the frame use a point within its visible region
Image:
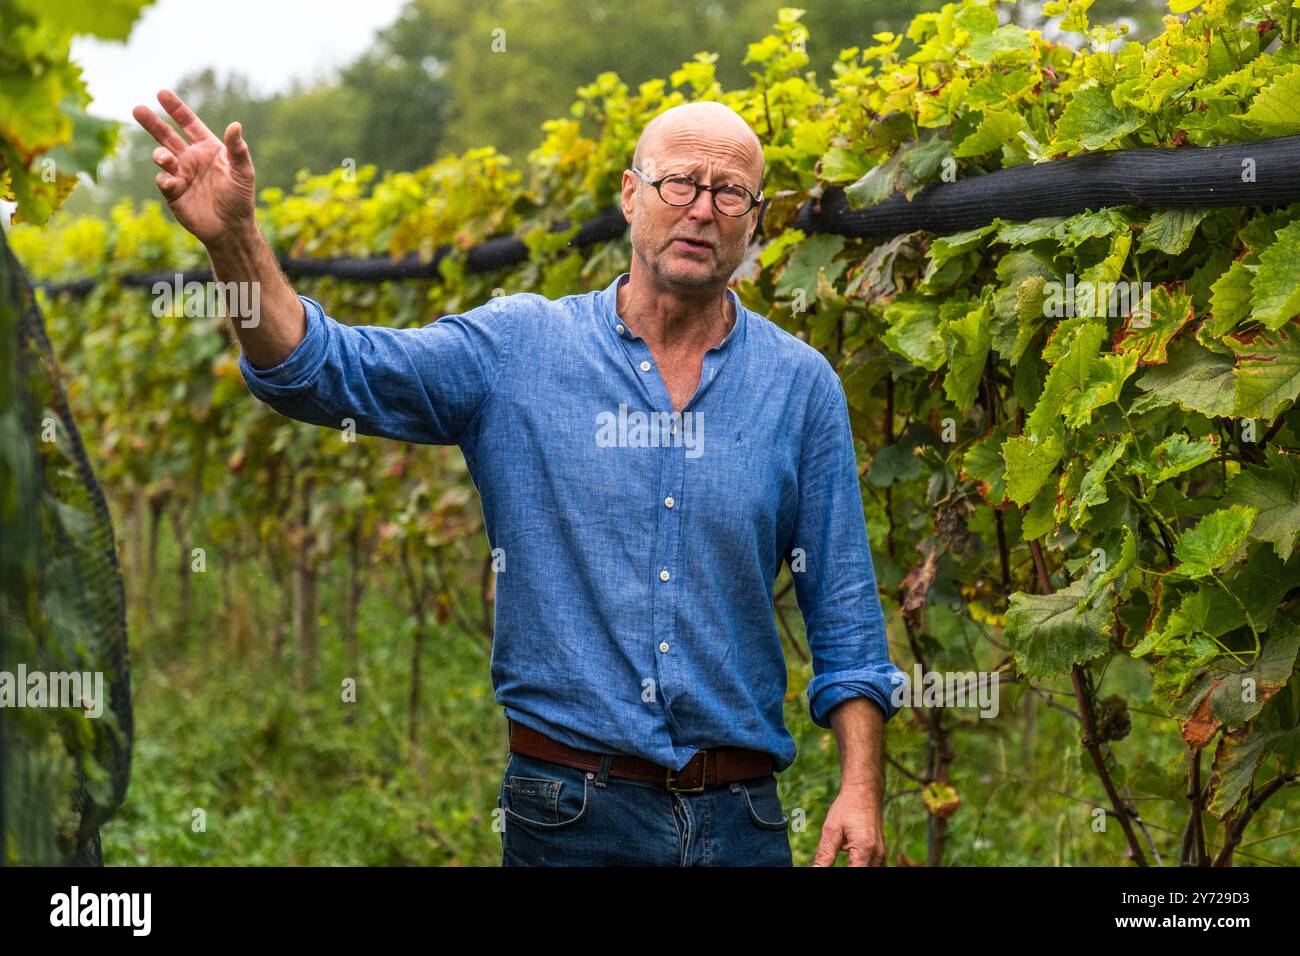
[855, 823]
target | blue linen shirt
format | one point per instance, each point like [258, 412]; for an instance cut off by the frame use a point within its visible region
[638, 553]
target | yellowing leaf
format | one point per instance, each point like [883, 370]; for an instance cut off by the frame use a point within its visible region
[1268, 371]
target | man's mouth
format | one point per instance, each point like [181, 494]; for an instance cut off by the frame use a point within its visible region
[693, 243]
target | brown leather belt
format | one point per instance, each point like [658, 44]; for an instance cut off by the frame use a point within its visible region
[706, 768]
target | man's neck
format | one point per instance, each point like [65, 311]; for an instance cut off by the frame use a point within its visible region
[670, 323]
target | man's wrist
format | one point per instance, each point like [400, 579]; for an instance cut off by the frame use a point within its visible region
[864, 787]
[243, 235]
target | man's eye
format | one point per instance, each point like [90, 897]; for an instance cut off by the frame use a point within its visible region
[736, 191]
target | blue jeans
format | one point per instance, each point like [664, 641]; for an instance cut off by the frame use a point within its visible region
[555, 815]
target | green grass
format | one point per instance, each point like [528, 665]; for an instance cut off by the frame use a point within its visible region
[291, 778]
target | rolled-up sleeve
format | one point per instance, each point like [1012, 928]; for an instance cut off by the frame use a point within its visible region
[423, 385]
[836, 587]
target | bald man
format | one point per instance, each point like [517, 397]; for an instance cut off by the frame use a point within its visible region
[646, 455]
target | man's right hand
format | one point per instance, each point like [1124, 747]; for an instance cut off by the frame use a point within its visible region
[208, 184]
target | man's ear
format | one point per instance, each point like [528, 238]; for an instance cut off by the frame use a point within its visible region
[627, 198]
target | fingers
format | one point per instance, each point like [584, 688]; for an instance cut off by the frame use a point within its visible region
[159, 130]
[827, 850]
[184, 116]
[169, 186]
[166, 160]
[236, 147]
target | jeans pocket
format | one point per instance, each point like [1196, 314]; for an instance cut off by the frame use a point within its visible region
[763, 803]
[542, 795]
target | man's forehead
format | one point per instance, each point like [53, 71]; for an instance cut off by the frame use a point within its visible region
[686, 161]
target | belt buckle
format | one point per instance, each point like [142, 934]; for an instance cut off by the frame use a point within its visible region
[704, 767]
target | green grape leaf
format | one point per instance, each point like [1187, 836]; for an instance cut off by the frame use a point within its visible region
[894, 463]
[1030, 463]
[1195, 379]
[1091, 224]
[843, 165]
[1008, 38]
[1275, 110]
[1040, 518]
[906, 171]
[1092, 488]
[1175, 455]
[1267, 372]
[1106, 378]
[944, 248]
[107, 19]
[1276, 284]
[968, 342]
[1127, 559]
[1171, 230]
[808, 259]
[914, 331]
[1091, 121]
[1274, 493]
[1212, 611]
[1214, 541]
[1239, 696]
[774, 250]
[1050, 633]
[1230, 299]
[983, 464]
[1033, 230]
[1076, 344]
[996, 128]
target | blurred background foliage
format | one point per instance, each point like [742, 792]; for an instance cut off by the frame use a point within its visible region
[433, 85]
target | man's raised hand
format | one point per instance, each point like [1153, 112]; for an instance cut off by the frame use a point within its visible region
[208, 183]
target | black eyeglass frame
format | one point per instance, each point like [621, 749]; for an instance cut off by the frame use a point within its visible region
[753, 200]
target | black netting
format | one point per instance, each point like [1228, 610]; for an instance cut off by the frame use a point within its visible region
[62, 774]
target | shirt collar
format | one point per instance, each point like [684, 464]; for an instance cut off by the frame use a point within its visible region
[609, 311]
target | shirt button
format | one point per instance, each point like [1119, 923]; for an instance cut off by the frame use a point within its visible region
[664, 575]
[668, 502]
[674, 428]
[619, 329]
[645, 366]
[664, 647]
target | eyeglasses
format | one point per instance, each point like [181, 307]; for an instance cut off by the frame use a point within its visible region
[729, 199]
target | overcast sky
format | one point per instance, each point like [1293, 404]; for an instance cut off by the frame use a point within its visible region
[270, 41]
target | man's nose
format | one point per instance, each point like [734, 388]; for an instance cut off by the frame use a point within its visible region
[702, 208]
